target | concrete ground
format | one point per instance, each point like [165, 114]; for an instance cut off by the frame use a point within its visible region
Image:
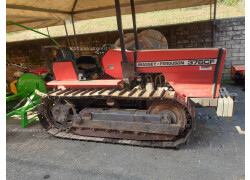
[216, 150]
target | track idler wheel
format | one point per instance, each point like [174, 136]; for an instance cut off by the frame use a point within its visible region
[60, 113]
[172, 113]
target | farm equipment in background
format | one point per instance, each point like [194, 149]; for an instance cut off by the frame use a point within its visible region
[147, 39]
[238, 75]
[44, 73]
[25, 100]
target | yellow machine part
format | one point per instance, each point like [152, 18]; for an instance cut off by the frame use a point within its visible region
[13, 87]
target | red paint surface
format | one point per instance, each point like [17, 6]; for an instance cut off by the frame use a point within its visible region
[64, 71]
[237, 69]
[87, 84]
[39, 71]
[187, 80]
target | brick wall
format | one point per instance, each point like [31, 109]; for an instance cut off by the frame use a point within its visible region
[192, 35]
[230, 34]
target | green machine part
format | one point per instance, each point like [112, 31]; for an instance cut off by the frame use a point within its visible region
[26, 86]
[22, 26]
[28, 83]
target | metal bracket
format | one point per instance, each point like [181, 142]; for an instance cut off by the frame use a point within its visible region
[127, 72]
[216, 72]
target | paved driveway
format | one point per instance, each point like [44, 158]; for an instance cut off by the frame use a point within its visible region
[215, 151]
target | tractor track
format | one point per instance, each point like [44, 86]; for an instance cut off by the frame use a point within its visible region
[116, 93]
[154, 144]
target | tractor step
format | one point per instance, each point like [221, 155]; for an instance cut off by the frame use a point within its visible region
[87, 84]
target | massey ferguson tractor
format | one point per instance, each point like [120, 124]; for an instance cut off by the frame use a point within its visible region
[136, 97]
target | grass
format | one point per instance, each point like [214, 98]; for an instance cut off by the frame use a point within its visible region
[149, 19]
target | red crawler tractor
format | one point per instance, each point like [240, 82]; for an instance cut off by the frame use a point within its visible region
[139, 97]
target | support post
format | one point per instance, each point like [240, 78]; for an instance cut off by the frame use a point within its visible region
[134, 24]
[210, 11]
[48, 31]
[119, 25]
[214, 22]
[132, 4]
[73, 24]
[67, 33]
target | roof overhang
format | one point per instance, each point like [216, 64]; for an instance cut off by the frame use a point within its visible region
[36, 14]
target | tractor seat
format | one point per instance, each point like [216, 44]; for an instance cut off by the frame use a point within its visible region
[86, 63]
[87, 67]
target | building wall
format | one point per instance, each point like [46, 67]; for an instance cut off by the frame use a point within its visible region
[230, 34]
